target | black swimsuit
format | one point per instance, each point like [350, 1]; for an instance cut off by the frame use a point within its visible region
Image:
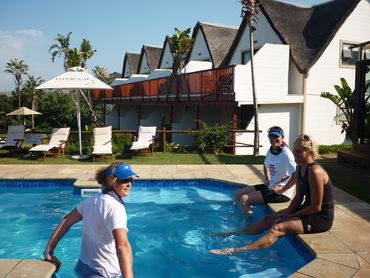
[323, 220]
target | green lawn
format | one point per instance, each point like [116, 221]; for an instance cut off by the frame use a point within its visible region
[158, 158]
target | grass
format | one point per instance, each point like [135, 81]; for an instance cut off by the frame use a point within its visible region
[350, 178]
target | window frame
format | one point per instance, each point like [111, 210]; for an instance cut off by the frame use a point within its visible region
[345, 65]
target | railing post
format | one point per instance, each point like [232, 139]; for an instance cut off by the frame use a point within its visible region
[164, 139]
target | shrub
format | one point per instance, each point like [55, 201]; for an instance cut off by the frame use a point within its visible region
[212, 138]
[121, 143]
[323, 149]
[73, 145]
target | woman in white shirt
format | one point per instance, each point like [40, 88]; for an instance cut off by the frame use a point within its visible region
[278, 168]
[105, 249]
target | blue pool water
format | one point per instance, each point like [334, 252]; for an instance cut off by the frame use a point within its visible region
[169, 223]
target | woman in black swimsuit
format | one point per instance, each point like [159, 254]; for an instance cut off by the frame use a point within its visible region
[311, 210]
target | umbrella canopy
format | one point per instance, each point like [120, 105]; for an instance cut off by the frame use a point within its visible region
[23, 111]
[75, 79]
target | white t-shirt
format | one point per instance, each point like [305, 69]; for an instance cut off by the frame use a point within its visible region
[281, 167]
[101, 215]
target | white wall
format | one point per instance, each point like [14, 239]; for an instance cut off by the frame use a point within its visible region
[263, 34]
[167, 58]
[295, 83]
[199, 50]
[287, 116]
[320, 112]
[144, 66]
[271, 65]
[127, 72]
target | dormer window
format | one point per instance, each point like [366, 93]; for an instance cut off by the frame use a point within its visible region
[246, 55]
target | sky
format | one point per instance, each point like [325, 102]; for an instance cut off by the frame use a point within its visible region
[113, 27]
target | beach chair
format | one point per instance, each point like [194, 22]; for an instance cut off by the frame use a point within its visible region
[14, 138]
[102, 145]
[56, 145]
[145, 139]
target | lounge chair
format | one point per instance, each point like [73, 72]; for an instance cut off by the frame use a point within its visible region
[56, 145]
[102, 142]
[145, 140]
[14, 138]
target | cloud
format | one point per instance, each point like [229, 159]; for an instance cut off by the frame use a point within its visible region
[30, 32]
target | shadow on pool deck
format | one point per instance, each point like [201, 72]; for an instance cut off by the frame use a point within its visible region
[341, 252]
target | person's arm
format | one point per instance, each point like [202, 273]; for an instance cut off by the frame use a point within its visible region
[71, 218]
[280, 189]
[267, 175]
[124, 252]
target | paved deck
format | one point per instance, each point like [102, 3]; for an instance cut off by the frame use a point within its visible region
[344, 251]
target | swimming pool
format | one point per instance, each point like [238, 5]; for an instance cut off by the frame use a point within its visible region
[169, 223]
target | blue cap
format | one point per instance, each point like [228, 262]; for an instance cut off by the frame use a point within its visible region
[277, 133]
[122, 171]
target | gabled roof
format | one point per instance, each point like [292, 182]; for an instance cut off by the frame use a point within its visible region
[153, 54]
[307, 30]
[218, 39]
[131, 60]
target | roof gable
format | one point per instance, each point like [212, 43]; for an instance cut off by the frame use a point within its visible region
[218, 39]
[307, 30]
[150, 54]
[130, 63]
[166, 59]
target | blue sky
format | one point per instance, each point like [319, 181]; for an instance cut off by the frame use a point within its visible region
[113, 27]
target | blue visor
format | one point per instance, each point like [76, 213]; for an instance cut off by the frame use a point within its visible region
[277, 133]
[122, 171]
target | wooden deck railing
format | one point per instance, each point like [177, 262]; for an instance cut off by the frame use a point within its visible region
[215, 84]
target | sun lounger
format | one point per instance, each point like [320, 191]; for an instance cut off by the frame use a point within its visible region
[102, 142]
[14, 138]
[146, 139]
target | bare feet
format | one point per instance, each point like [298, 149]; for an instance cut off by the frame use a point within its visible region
[226, 251]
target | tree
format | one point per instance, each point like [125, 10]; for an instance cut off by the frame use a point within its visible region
[250, 10]
[61, 48]
[17, 68]
[86, 52]
[73, 58]
[345, 101]
[101, 73]
[29, 89]
[180, 44]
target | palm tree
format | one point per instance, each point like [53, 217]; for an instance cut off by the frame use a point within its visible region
[17, 68]
[29, 88]
[73, 58]
[101, 73]
[61, 48]
[86, 52]
[250, 10]
[180, 43]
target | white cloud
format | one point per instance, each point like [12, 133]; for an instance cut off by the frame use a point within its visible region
[30, 32]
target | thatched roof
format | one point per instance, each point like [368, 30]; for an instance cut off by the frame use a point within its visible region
[218, 39]
[307, 30]
[131, 60]
[153, 54]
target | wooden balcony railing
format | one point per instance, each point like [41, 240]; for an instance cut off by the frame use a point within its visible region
[213, 85]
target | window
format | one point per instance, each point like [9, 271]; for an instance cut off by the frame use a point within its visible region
[246, 55]
[340, 117]
[349, 56]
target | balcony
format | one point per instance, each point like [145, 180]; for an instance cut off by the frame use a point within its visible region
[207, 85]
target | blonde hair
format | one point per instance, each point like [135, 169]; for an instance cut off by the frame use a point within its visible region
[100, 176]
[308, 144]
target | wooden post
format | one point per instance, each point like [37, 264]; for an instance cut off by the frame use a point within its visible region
[235, 119]
[164, 139]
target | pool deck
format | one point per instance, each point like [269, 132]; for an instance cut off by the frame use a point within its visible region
[344, 251]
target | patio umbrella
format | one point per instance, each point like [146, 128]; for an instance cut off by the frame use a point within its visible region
[75, 80]
[23, 111]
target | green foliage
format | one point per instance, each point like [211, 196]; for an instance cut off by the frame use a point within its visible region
[73, 146]
[212, 138]
[181, 42]
[6, 106]
[173, 147]
[324, 149]
[345, 101]
[121, 143]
